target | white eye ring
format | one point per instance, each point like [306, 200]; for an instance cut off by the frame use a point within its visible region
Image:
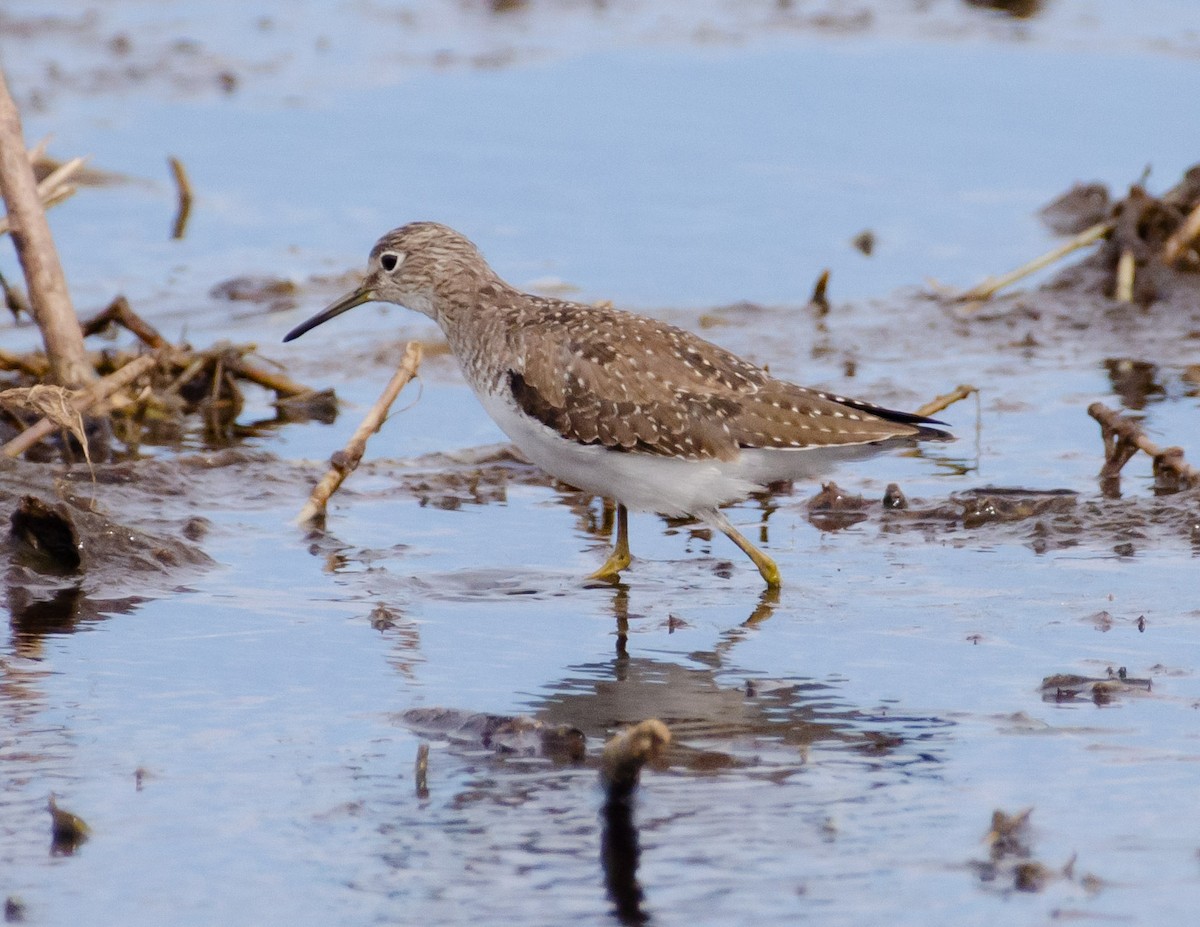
[391, 260]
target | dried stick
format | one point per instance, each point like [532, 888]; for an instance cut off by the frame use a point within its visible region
[819, 296]
[342, 463]
[1126, 268]
[935, 405]
[32, 365]
[988, 288]
[184, 188]
[280, 384]
[53, 188]
[48, 294]
[1182, 237]
[121, 313]
[82, 400]
[1123, 437]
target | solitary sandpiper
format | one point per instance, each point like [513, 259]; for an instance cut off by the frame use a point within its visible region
[620, 405]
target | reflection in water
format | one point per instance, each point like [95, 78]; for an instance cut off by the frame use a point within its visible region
[535, 810]
[1135, 381]
[37, 609]
[619, 852]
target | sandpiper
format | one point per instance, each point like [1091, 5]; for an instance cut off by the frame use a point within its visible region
[617, 404]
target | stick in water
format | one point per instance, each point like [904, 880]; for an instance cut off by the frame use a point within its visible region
[343, 463]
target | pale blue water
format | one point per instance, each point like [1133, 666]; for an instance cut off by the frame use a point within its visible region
[675, 176]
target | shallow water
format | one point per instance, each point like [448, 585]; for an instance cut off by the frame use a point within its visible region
[839, 752]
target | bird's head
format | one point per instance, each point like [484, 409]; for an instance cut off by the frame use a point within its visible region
[418, 266]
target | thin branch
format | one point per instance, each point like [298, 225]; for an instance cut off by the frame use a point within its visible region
[282, 385]
[988, 288]
[343, 463]
[183, 187]
[119, 312]
[1123, 437]
[935, 405]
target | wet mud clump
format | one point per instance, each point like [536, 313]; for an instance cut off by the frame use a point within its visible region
[68, 559]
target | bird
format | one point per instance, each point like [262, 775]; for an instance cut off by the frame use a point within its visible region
[617, 404]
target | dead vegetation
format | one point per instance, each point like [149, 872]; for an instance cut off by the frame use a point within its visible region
[146, 394]
[1146, 241]
[87, 399]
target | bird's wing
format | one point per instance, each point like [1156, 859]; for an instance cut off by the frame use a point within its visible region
[600, 376]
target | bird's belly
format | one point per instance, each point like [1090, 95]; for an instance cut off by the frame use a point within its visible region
[653, 483]
[643, 482]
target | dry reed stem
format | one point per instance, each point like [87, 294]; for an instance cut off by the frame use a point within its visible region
[183, 187]
[51, 402]
[52, 189]
[988, 288]
[1126, 268]
[343, 463]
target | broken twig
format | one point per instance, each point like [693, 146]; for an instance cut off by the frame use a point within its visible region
[819, 297]
[988, 288]
[935, 405]
[1126, 268]
[627, 752]
[343, 463]
[183, 187]
[1123, 437]
[119, 312]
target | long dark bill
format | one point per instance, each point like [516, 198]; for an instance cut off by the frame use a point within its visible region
[363, 294]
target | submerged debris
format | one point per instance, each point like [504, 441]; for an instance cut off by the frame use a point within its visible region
[421, 772]
[67, 831]
[276, 293]
[1081, 207]
[833, 508]
[1010, 865]
[518, 735]
[1067, 687]
[14, 910]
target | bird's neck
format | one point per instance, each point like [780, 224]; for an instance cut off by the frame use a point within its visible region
[472, 315]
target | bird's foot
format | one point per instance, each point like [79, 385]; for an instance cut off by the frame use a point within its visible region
[616, 562]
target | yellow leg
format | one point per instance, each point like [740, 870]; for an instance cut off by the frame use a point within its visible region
[620, 556]
[766, 566]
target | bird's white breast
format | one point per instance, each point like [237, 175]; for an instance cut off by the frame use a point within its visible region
[654, 483]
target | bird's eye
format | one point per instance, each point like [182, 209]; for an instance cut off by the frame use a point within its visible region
[390, 260]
